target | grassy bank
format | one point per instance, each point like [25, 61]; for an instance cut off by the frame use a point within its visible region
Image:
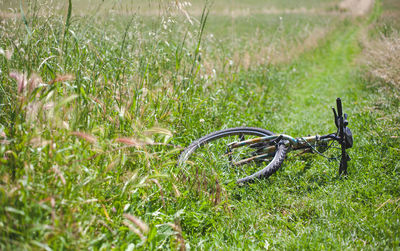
[96, 108]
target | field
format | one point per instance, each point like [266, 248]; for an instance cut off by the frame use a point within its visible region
[98, 98]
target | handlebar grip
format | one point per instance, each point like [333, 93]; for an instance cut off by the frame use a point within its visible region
[339, 107]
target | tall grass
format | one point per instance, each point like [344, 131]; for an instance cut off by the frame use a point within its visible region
[382, 47]
[95, 108]
[381, 58]
[83, 106]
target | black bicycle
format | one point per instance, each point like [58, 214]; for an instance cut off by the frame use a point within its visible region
[238, 152]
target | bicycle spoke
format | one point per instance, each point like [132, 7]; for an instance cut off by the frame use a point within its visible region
[232, 163]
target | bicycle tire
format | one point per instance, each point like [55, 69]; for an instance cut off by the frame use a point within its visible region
[265, 172]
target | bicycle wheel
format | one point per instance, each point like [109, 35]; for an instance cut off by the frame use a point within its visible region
[210, 154]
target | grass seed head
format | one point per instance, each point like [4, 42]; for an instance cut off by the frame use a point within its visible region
[135, 230]
[39, 142]
[88, 137]
[62, 78]
[129, 142]
[34, 81]
[21, 80]
[138, 222]
[59, 174]
[176, 191]
[155, 181]
[177, 228]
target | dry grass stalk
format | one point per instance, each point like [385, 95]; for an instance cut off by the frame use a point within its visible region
[62, 78]
[4, 142]
[88, 137]
[6, 53]
[106, 213]
[59, 174]
[107, 226]
[386, 202]
[103, 106]
[217, 195]
[53, 211]
[39, 142]
[135, 230]
[9, 155]
[158, 130]
[25, 88]
[138, 222]
[48, 106]
[177, 228]
[9, 53]
[89, 201]
[45, 200]
[176, 191]
[181, 6]
[34, 82]
[356, 7]
[196, 180]
[382, 59]
[129, 142]
[160, 188]
[21, 80]
[52, 204]
[24, 85]
[3, 138]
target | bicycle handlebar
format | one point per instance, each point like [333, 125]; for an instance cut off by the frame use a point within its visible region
[344, 135]
[339, 107]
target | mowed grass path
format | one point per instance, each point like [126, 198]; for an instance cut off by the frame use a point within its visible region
[306, 204]
[320, 77]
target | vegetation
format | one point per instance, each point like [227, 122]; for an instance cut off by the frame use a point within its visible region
[383, 51]
[95, 108]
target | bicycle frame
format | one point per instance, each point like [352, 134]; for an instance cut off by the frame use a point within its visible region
[293, 144]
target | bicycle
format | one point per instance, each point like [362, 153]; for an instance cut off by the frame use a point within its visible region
[262, 146]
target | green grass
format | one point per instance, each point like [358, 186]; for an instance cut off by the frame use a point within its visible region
[68, 179]
[138, 6]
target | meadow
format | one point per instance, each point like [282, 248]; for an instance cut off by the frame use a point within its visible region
[98, 98]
